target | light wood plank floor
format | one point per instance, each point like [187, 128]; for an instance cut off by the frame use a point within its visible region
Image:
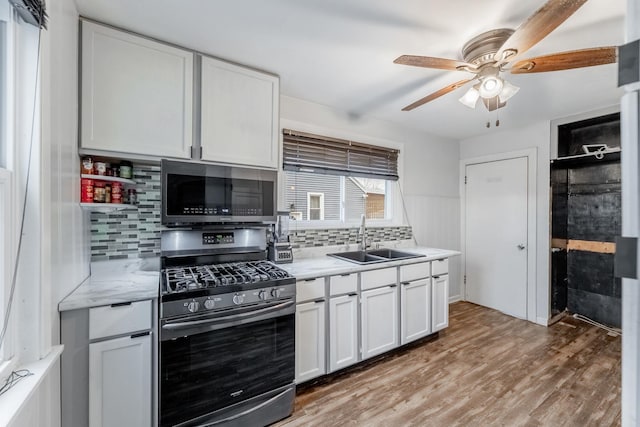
[486, 369]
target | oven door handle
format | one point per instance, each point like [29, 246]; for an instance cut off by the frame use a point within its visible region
[234, 318]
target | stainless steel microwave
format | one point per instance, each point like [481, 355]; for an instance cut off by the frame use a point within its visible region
[199, 193]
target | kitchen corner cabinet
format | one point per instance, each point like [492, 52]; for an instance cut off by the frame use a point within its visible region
[239, 115]
[379, 315]
[343, 331]
[136, 94]
[120, 382]
[310, 340]
[120, 354]
[440, 302]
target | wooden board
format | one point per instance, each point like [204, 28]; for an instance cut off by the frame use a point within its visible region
[589, 246]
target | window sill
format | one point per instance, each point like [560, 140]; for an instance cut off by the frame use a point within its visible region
[12, 402]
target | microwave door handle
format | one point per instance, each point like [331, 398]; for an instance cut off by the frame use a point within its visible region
[233, 317]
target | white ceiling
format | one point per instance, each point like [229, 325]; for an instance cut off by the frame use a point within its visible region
[340, 53]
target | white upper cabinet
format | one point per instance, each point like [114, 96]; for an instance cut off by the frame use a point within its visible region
[239, 115]
[136, 94]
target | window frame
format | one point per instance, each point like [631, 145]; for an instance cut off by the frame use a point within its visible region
[311, 194]
[394, 189]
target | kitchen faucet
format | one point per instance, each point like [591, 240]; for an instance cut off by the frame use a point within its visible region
[362, 244]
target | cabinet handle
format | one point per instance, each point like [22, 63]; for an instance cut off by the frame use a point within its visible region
[405, 283]
[318, 301]
[309, 280]
[345, 275]
[141, 334]
[353, 294]
[121, 304]
[436, 277]
[392, 286]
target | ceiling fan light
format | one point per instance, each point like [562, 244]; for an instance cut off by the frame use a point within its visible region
[508, 90]
[491, 86]
[470, 98]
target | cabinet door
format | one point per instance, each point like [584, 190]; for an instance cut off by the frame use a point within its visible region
[379, 311]
[440, 302]
[136, 94]
[240, 110]
[310, 339]
[343, 332]
[415, 310]
[120, 387]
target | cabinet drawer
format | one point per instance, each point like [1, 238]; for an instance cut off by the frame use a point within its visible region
[309, 289]
[439, 266]
[376, 278]
[343, 284]
[113, 320]
[414, 272]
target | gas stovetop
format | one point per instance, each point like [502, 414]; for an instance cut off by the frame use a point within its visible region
[192, 278]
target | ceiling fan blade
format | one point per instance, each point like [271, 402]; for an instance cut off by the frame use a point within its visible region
[536, 27]
[566, 60]
[431, 62]
[445, 90]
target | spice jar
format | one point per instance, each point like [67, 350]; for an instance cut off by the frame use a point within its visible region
[107, 193]
[86, 190]
[126, 169]
[133, 197]
[87, 165]
[100, 168]
[116, 192]
[99, 192]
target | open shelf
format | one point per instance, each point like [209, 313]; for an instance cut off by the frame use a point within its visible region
[108, 178]
[105, 207]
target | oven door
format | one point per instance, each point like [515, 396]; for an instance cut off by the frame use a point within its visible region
[212, 363]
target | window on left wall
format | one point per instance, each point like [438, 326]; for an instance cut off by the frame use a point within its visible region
[6, 179]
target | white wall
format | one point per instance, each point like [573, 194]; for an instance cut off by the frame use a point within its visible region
[63, 232]
[428, 169]
[535, 136]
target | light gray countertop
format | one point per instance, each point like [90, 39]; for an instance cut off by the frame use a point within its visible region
[116, 281]
[119, 281]
[310, 268]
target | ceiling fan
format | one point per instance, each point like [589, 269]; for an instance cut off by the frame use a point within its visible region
[493, 52]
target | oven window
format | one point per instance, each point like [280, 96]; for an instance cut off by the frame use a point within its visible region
[206, 195]
[209, 371]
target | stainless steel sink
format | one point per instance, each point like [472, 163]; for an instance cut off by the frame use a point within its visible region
[374, 256]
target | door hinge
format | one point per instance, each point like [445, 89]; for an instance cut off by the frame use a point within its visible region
[465, 279]
[465, 179]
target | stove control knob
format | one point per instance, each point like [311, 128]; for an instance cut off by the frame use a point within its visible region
[209, 304]
[275, 292]
[238, 299]
[263, 295]
[193, 306]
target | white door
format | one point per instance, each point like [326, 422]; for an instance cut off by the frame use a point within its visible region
[415, 309]
[310, 338]
[343, 332]
[379, 320]
[120, 382]
[496, 235]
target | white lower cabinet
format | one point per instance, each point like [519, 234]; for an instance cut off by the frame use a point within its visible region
[120, 382]
[415, 309]
[310, 340]
[343, 331]
[379, 313]
[440, 302]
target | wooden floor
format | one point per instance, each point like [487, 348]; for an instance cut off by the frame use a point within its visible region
[486, 369]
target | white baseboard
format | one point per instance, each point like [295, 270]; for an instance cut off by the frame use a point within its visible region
[542, 321]
[455, 298]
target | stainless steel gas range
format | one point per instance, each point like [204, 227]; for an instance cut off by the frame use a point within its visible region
[226, 330]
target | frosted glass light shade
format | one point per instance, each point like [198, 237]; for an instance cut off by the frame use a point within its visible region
[490, 86]
[508, 90]
[470, 98]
